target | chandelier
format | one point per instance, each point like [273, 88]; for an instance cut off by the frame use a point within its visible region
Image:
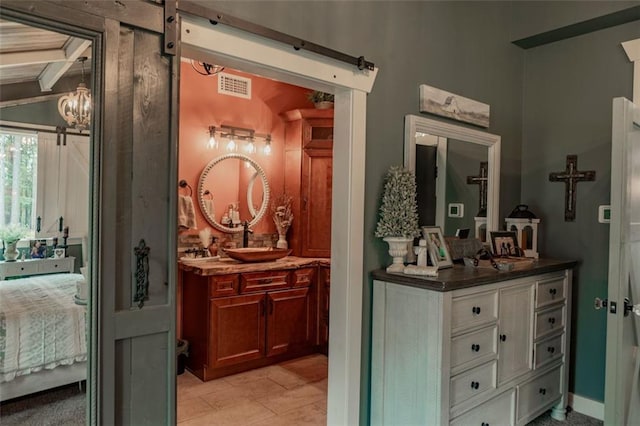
[75, 107]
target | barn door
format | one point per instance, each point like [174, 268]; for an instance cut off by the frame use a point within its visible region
[137, 341]
[622, 397]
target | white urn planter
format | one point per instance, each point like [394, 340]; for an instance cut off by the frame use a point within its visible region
[11, 252]
[398, 249]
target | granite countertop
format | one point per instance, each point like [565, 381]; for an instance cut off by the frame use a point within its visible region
[231, 266]
[461, 276]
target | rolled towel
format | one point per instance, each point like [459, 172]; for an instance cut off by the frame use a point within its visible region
[186, 213]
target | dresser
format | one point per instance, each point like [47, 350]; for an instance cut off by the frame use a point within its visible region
[471, 346]
[23, 268]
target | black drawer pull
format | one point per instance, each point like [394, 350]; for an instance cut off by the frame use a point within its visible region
[475, 385]
[551, 349]
[484, 424]
[553, 291]
[265, 281]
[503, 337]
[543, 391]
[552, 320]
[475, 347]
[476, 310]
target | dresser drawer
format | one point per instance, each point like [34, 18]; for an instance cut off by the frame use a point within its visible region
[473, 310]
[473, 382]
[20, 268]
[549, 321]
[536, 394]
[223, 285]
[50, 266]
[548, 351]
[498, 411]
[473, 348]
[302, 277]
[263, 281]
[550, 291]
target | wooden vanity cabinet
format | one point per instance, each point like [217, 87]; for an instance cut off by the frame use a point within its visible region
[324, 292]
[308, 179]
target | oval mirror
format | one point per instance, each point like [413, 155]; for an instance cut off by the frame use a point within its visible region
[232, 189]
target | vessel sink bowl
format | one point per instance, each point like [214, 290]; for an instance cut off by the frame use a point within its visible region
[257, 254]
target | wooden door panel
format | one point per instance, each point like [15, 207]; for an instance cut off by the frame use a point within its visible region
[317, 172]
[289, 323]
[237, 329]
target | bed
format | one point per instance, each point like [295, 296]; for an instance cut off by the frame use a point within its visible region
[42, 334]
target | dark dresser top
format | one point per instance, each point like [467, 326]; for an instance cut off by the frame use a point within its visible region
[461, 276]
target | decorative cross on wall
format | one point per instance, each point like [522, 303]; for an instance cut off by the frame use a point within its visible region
[481, 180]
[571, 176]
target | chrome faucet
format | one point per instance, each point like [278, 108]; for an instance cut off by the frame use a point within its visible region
[245, 233]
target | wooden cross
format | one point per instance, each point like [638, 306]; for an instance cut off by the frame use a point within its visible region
[571, 176]
[481, 180]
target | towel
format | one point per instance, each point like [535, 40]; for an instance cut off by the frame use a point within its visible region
[209, 209]
[186, 213]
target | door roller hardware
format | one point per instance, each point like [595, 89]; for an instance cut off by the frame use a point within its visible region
[599, 303]
[629, 307]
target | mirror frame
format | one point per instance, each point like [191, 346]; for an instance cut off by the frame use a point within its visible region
[265, 201]
[416, 123]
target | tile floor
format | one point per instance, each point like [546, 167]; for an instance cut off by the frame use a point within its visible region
[290, 393]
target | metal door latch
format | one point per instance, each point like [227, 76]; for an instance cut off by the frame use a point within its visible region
[628, 307]
[600, 303]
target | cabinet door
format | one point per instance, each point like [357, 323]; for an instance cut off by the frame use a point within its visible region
[324, 291]
[315, 191]
[289, 321]
[237, 329]
[515, 319]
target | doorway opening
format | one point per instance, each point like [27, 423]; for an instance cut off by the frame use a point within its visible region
[45, 174]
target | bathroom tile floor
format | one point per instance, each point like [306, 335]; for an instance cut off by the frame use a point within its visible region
[290, 393]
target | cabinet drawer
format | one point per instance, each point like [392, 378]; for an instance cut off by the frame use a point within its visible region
[263, 281]
[223, 285]
[474, 309]
[550, 291]
[536, 394]
[20, 268]
[549, 321]
[473, 382]
[495, 412]
[548, 350]
[302, 277]
[51, 266]
[473, 348]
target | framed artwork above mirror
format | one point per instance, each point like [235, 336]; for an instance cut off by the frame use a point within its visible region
[438, 136]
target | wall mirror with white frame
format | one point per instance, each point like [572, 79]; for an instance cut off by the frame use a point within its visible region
[443, 156]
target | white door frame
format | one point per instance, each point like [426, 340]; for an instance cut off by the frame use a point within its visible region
[251, 53]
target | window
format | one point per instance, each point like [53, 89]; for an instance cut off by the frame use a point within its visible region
[18, 178]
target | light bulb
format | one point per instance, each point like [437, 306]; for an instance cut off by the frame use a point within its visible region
[267, 149]
[213, 143]
[250, 148]
[231, 145]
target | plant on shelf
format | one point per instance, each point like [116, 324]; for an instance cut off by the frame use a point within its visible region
[398, 214]
[10, 235]
[321, 100]
[282, 217]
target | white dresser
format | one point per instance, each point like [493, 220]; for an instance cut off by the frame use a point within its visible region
[22, 268]
[471, 347]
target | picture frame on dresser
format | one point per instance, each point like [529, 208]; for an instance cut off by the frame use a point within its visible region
[437, 247]
[505, 243]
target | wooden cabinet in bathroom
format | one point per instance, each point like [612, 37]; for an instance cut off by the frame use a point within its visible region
[308, 179]
[324, 292]
[236, 321]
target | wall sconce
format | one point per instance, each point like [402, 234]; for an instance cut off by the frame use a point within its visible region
[236, 135]
[75, 107]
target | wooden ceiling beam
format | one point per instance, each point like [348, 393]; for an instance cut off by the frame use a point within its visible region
[29, 92]
[55, 70]
[31, 57]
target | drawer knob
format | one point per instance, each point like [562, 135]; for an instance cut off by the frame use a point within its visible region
[551, 349]
[475, 385]
[484, 424]
[543, 391]
[552, 321]
[475, 347]
[503, 337]
[476, 310]
[552, 291]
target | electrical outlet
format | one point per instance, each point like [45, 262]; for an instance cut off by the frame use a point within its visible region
[604, 214]
[456, 210]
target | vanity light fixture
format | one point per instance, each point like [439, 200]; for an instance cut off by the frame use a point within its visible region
[267, 146]
[213, 143]
[231, 145]
[75, 107]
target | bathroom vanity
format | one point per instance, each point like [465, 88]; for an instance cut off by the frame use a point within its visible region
[238, 316]
[471, 346]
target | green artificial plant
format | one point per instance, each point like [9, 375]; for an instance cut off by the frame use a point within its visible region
[12, 233]
[317, 96]
[398, 214]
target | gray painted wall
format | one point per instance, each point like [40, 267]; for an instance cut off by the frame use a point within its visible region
[568, 90]
[44, 113]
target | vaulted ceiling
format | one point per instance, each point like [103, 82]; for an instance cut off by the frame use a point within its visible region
[37, 64]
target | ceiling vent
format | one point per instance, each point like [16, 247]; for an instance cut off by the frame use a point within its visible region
[233, 85]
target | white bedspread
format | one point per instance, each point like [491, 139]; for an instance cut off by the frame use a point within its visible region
[40, 324]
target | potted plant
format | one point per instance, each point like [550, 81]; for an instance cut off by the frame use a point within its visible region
[282, 217]
[321, 100]
[10, 235]
[398, 215]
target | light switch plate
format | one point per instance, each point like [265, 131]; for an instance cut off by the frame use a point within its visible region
[604, 214]
[456, 210]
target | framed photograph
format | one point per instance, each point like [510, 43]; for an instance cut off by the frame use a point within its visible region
[437, 247]
[58, 253]
[505, 243]
[446, 104]
[38, 249]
